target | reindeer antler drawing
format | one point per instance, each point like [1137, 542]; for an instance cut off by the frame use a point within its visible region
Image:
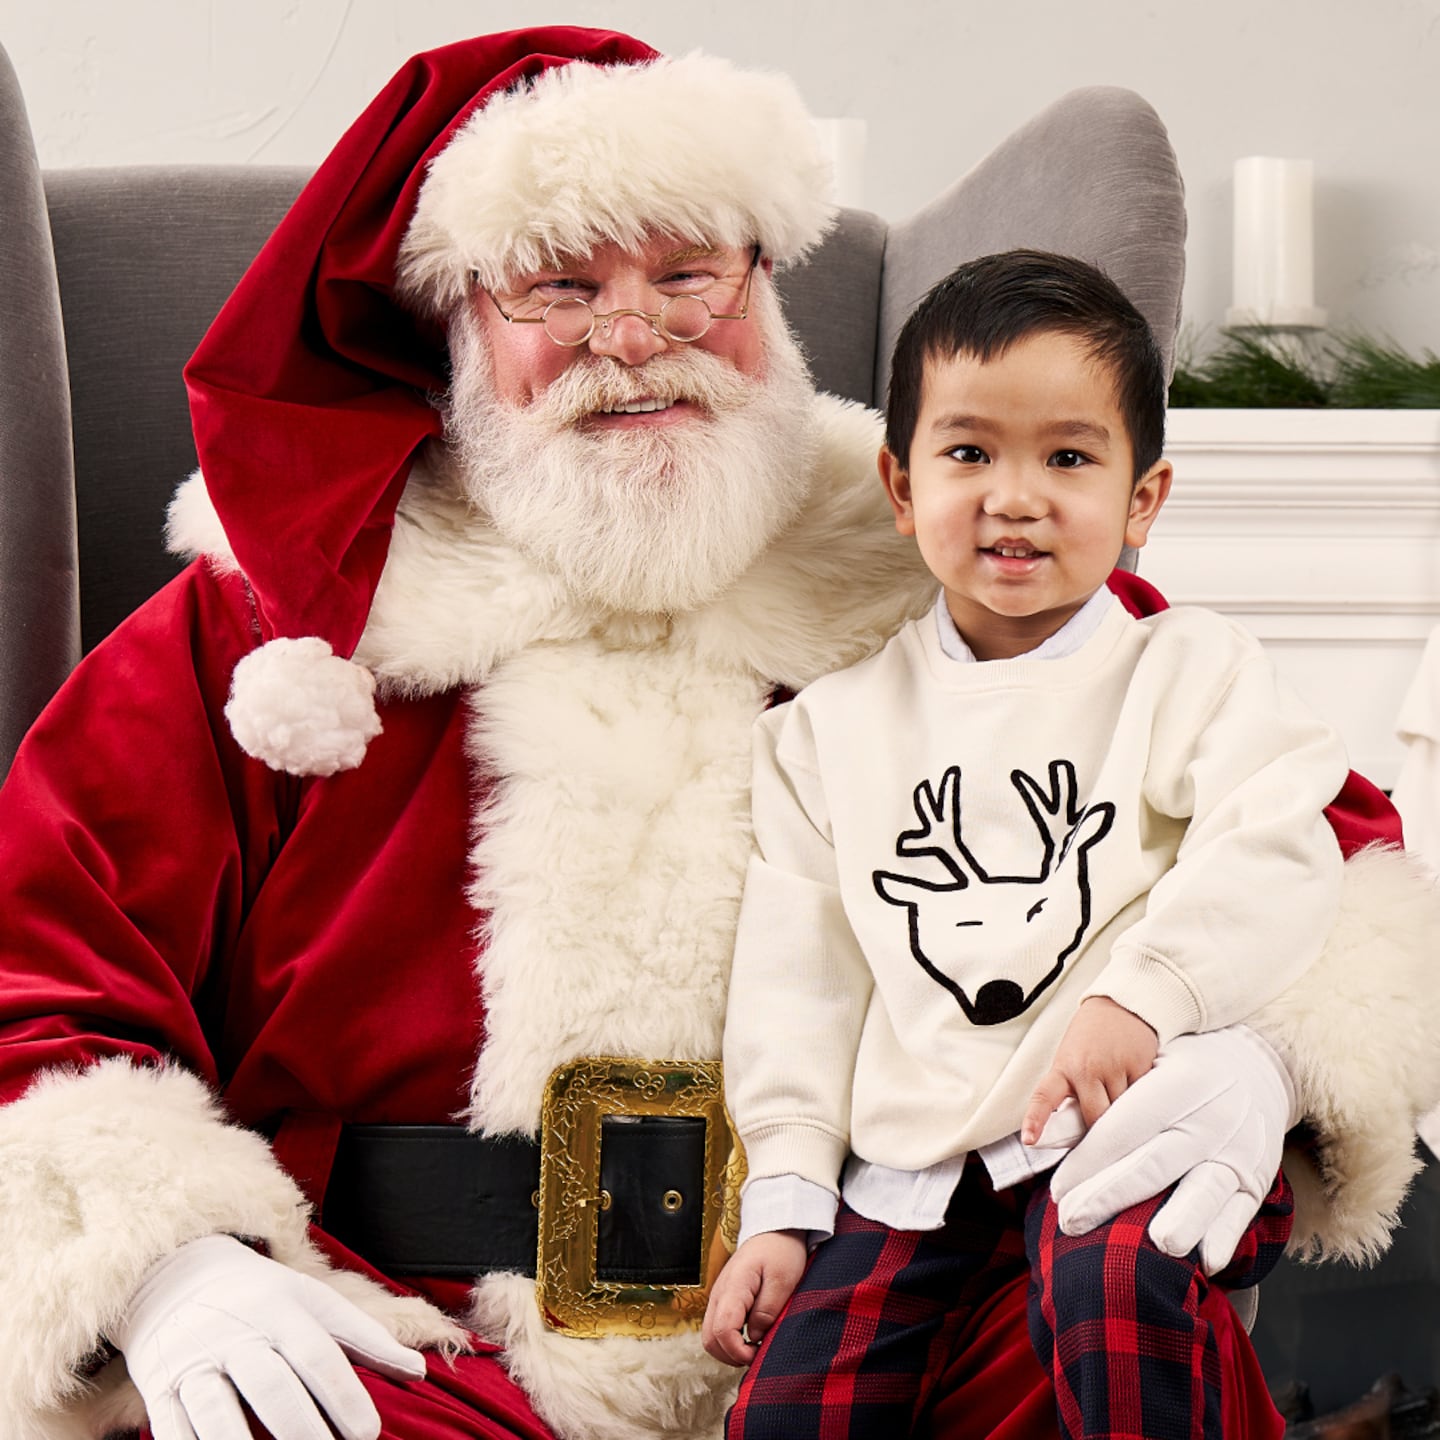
[970, 931]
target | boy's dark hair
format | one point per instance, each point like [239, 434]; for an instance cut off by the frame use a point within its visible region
[986, 305]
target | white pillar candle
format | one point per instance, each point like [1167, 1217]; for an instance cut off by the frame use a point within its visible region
[1274, 244]
[843, 141]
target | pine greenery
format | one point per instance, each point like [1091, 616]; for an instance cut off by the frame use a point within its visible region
[1355, 372]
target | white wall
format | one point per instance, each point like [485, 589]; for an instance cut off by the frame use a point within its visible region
[1353, 84]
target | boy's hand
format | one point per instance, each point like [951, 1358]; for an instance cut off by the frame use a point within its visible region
[750, 1293]
[1104, 1050]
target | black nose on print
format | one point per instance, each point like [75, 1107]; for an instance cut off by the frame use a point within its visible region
[996, 1002]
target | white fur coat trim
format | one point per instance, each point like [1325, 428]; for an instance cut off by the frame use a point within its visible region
[1358, 1035]
[103, 1171]
[690, 147]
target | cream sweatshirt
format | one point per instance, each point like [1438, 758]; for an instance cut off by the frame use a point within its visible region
[949, 858]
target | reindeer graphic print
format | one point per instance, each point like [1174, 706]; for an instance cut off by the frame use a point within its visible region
[974, 932]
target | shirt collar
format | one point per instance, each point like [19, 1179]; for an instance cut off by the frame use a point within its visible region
[1065, 641]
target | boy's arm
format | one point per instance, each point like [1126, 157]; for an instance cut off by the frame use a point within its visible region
[1254, 891]
[787, 1202]
[799, 986]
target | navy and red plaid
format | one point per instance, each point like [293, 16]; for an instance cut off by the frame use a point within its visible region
[869, 1328]
[865, 1339]
[1118, 1327]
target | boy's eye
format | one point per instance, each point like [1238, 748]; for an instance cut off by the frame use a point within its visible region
[1068, 459]
[968, 454]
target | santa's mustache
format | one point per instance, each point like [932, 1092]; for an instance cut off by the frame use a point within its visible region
[594, 384]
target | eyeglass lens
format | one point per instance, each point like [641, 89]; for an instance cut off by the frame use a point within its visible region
[682, 318]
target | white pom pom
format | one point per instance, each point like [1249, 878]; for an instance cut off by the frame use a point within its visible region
[302, 709]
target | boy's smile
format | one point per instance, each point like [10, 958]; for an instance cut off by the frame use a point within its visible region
[1020, 488]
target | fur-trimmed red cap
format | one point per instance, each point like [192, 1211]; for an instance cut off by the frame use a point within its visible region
[309, 394]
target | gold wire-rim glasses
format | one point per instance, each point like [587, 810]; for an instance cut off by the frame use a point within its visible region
[573, 305]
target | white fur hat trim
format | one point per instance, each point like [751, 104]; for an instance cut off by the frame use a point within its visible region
[690, 147]
[301, 708]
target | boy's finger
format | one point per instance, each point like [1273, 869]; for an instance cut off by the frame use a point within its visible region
[766, 1309]
[723, 1334]
[1044, 1101]
[1094, 1099]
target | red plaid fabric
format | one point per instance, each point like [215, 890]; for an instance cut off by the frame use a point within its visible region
[868, 1330]
[1118, 1325]
[864, 1345]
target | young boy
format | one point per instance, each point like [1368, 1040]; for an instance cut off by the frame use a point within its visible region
[1001, 864]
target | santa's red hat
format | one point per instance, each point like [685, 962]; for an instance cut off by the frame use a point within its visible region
[310, 393]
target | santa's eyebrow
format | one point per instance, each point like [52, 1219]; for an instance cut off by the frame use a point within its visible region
[689, 253]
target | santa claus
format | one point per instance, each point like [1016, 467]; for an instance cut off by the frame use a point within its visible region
[382, 871]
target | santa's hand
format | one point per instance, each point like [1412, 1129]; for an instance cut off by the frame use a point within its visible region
[214, 1324]
[1211, 1115]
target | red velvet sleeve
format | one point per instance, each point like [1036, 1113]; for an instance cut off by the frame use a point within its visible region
[1361, 814]
[131, 832]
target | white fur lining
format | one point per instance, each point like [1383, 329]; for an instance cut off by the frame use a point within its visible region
[192, 527]
[103, 1171]
[1358, 1035]
[690, 147]
[613, 1389]
[611, 885]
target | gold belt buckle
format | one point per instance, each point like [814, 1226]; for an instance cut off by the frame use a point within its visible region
[577, 1098]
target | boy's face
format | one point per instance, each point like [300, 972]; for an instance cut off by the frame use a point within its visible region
[1020, 489]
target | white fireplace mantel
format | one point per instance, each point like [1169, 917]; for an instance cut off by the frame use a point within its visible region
[1320, 531]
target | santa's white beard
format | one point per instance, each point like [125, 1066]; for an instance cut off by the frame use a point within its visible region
[652, 520]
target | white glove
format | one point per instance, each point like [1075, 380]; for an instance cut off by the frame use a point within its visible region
[215, 1322]
[1213, 1110]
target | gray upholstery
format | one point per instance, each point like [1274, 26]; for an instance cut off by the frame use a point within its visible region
[833, 304]
[145, 257]
[39, 610]
[1093, 175]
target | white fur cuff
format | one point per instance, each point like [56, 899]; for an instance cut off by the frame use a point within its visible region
[1357, 1033]
[301, 708]
[102, 1172]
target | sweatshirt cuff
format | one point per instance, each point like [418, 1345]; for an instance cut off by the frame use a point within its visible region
[814, 1152]
[1151, 987]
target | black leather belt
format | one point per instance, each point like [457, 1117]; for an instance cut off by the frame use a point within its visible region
[437, 1200]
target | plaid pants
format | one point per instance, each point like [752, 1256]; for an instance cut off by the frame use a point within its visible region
[865, 1339]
